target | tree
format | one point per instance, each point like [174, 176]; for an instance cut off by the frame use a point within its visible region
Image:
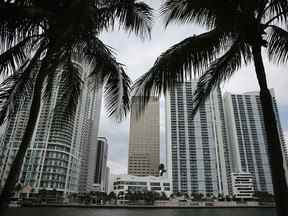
[58, 32]
[197, 196]
[237, 32]
[263, 196]
[162, 169]
[112, 196]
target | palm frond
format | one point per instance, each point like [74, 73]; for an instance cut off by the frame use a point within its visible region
[278, 45]
[19, 85]
[183, 61]
[200, 12]
[54, 58]
[70, 86]
[107, 72]
[117, 94]
[131, 15]
[221, 70]
[277, 10]
[13, 57]
[17, 88]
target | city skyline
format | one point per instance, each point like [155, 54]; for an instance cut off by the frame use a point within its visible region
[138, 63]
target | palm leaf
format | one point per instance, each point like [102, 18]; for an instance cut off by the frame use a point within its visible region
[17, 88]
[278, 45]
[131, 15]
[276, 9]
[183, 61]
[70, 86]
[221, 70]
[201, 12]
[15, 56]
[117, 94]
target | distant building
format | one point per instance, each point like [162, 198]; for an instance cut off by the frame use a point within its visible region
[53, 159]
[107, 180]
[100, 168]
[248, 137]
[198, 159]
[125, 183]
[242, 184]
[144, 140]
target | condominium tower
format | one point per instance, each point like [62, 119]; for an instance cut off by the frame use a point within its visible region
[144, 140]
[53, 158]
[248, 137]
[197, 149]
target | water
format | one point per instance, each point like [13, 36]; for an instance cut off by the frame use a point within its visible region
[137, 212]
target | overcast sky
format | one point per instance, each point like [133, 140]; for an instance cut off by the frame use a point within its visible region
[139, 56]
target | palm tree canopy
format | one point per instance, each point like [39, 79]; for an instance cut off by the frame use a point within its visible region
[233, 28]
[61, 32]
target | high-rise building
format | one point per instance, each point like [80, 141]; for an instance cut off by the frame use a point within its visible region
[100, 162]
[144, 140]
[107, 180]
[247, 136]
[198, 159]
[53, 158]
[89, 144]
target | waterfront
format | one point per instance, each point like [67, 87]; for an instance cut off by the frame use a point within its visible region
[138, 212]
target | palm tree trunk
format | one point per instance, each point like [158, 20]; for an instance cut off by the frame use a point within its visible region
[273, 138]
[17, 163]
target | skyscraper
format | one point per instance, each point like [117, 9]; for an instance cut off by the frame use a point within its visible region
[248, 137]
[54, 156]
[198, 158]
[144, 140]
[100, 168]
[89, 143]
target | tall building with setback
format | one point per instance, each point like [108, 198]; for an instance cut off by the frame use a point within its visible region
[198, 158]
[144, 140]
[53, 159]
[248, 137]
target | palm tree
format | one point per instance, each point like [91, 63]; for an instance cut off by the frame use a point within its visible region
[162, 169]
[58, 32]
[237, 30]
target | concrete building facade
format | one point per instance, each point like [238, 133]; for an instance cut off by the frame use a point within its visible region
[198, 159]
[242, 184]
[247, 136]
[125, 183]
[144, 140]
[53, 158]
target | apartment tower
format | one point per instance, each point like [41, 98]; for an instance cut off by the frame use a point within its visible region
[53, 159]
[248, 137]
[198, 158]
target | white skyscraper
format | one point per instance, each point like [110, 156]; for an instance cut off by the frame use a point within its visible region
[248, 137]
[53, 159]
[197, 149]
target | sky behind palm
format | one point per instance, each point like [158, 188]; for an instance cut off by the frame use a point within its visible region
[138, 56]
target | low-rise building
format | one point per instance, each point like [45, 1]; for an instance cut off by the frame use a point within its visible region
[125, 183]
[242, 185]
